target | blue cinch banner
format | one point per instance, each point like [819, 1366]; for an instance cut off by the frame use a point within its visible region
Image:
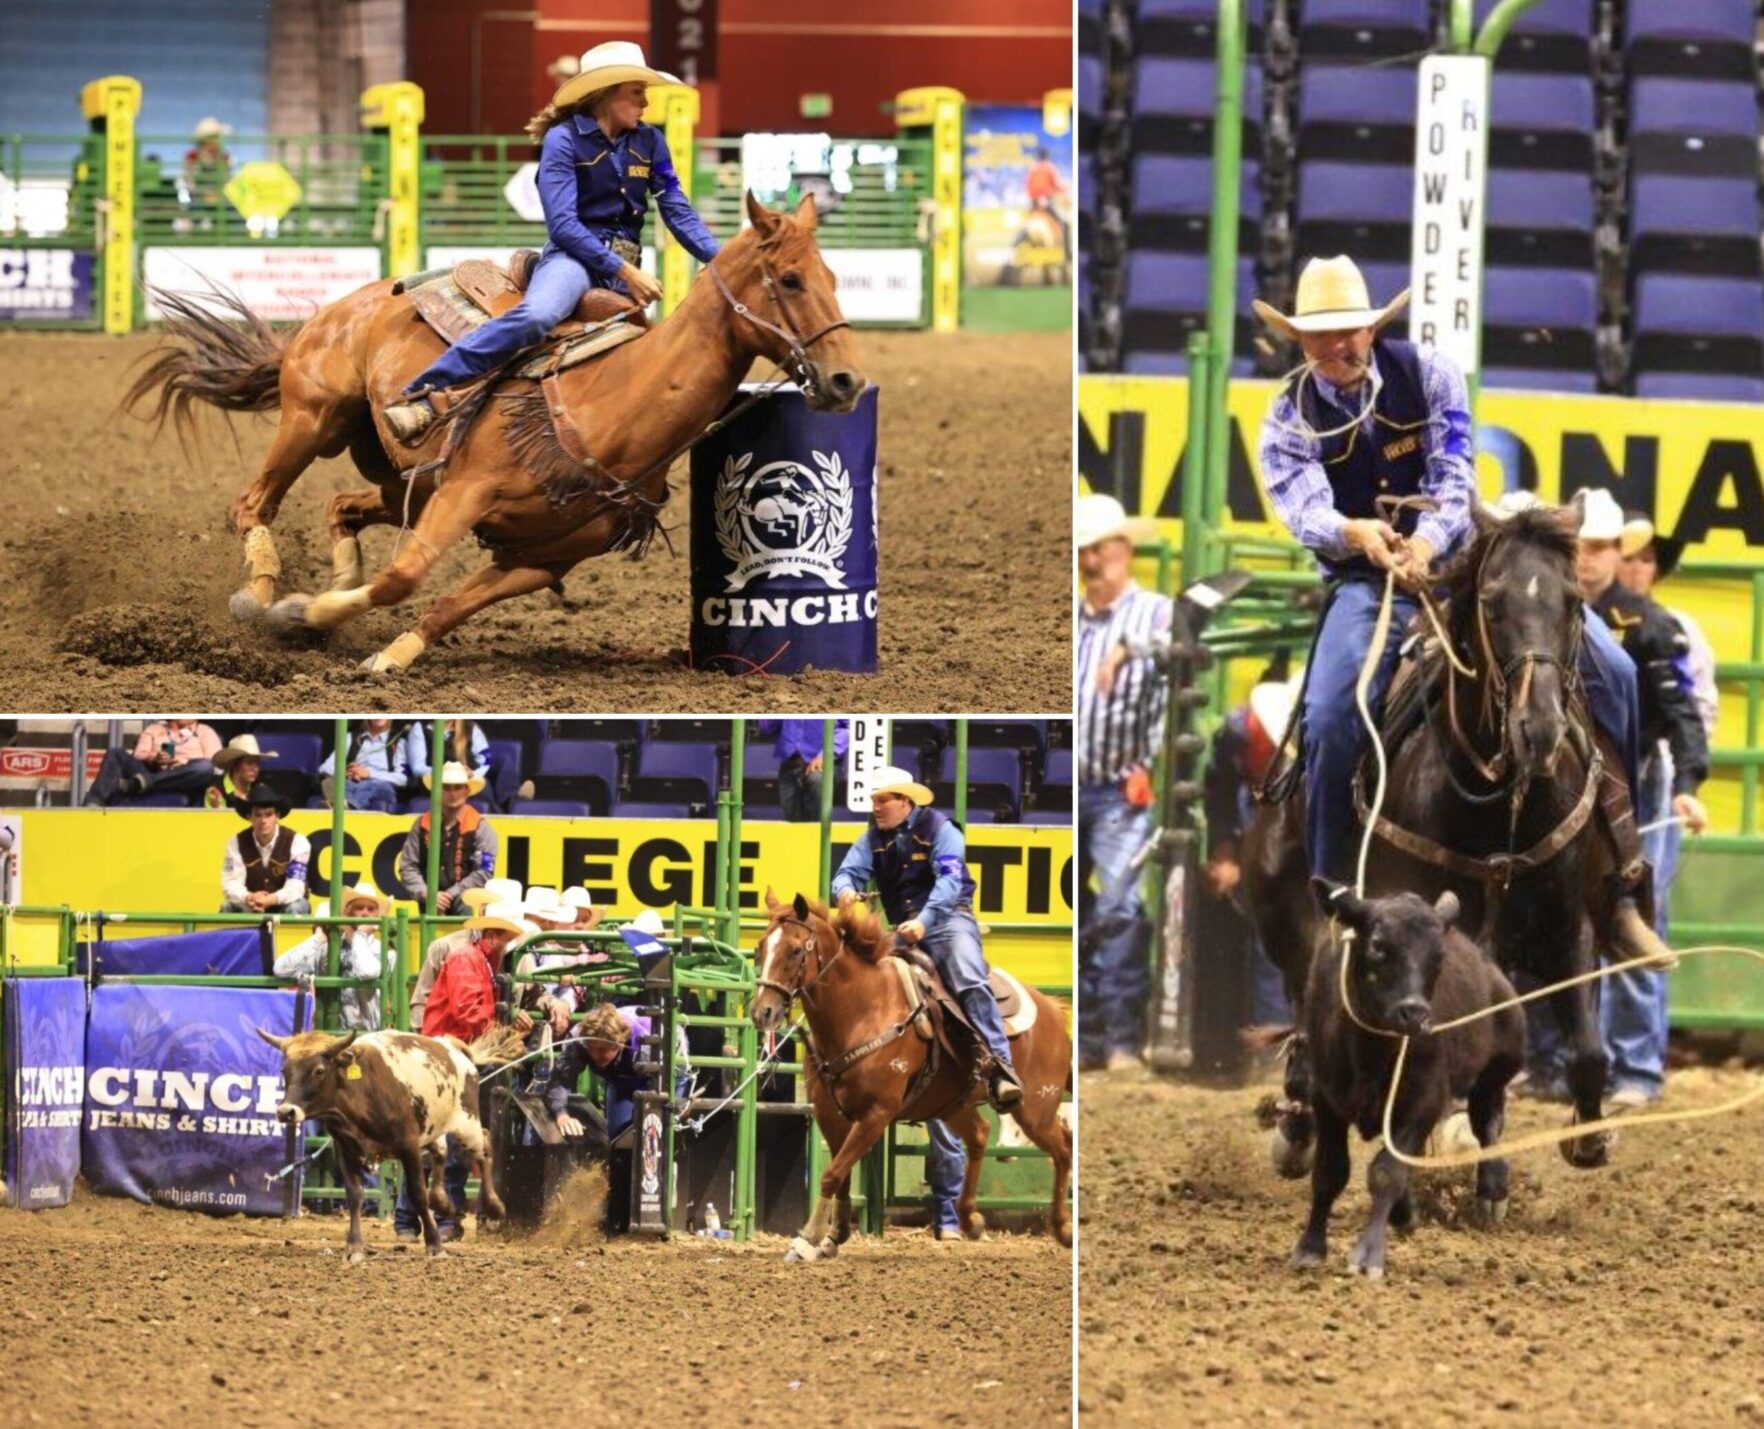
[230, 952]
[45, 1080]
[181, 1095]
[45, 284]
[784, 540]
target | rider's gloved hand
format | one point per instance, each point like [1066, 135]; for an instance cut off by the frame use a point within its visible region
[1376, 540]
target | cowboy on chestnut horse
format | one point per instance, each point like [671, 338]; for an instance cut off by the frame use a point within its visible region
[598, 165]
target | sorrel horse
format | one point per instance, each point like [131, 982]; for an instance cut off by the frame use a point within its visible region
[767, 294]
[866, 1061]
[1491, 797]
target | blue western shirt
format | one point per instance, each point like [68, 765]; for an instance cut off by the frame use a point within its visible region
[802, 737]
[594, 189]
[920, 868]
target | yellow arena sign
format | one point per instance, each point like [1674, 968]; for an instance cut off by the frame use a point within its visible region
[124, 860]
[262, 189]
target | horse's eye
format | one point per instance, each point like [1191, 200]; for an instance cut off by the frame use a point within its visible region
[792, 282]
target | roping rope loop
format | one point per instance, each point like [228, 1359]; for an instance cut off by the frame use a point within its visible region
[1306, 372]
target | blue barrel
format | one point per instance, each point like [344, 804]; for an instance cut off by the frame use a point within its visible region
[784, 540]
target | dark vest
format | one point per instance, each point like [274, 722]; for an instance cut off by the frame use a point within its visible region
[1393, 461]
[905, 868]
[261, 877]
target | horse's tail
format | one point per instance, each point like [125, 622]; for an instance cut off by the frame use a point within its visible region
[230, 359]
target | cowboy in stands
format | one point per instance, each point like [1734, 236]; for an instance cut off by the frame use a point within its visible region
[599, 163]
[358, 954]
[468, 843]
[264, 870]
[1368, 416]
[238, 764]
[917, 858]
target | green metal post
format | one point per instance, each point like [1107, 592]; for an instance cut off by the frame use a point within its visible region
[747, 1130]
[1494, 28]
[961, 772]
[720, 867]
[1460, 26]
[1201, 418]
[334, 935]
[827, 731]
[401, 985]
[1749, 774]
[731, 931]
[1233, 46]
[437, 757]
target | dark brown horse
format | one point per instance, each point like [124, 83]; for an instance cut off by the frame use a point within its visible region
[868, 1056]
[1490, 798]
[767, 294]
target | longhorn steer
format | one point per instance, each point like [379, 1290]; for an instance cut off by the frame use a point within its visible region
[386, 1094]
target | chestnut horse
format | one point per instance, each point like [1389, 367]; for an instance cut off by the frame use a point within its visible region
[767, 294]
[866, 1055]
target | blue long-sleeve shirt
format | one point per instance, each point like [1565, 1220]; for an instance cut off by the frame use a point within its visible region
[382, 754]
[949, 851]
[416, 752]
[802, 737]
[594, 188]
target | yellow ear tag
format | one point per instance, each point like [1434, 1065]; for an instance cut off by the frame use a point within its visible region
[353, 1074]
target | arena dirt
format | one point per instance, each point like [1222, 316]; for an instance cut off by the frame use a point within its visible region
[1629, 1295]
[122, 1314]
[116, 562]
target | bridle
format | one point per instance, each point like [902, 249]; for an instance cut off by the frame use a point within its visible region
[804, 990]
[797, 363]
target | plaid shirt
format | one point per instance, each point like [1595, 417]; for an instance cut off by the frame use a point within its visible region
[1298, 487]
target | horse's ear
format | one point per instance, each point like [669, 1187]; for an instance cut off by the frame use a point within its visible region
[1567, 519]
[1338, 901]
[764, 221]
[1446, 905]
[807, 214]
[802, 907]
[772, 903]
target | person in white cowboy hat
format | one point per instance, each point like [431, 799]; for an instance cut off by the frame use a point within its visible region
[358, 953]
[206, 165]
[1365, 416]
[1120, 728]
[472, 901]
[468, 843]
[599, 165]
[238, 764]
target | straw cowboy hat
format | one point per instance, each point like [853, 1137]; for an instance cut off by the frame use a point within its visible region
[365, 893]
[1331, 297]
[453, 772]
[615, 62]
[1639, 533]
[497, 890]
[500, 918]
[1098, 516]
[241, 746]
[890, 779]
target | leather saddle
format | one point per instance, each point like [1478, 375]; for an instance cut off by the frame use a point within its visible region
[1015, 1007]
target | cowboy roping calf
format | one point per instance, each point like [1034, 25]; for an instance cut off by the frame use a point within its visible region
[1409, 969]
[381, 1095]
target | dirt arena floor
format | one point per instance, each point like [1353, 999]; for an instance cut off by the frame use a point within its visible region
[115, 561]
[1626, 1296]
[122, 1314]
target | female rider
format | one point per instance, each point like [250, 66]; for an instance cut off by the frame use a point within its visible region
[598, 165]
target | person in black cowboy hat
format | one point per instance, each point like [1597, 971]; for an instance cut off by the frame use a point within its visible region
[264, 870]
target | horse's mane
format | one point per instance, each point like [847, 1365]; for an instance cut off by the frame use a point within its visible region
[1541, 526]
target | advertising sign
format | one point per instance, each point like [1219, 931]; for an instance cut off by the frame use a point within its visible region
[280, 284]
[45, 284]
[1017, 200]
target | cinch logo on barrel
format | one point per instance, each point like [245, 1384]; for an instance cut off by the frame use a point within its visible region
[783, 519]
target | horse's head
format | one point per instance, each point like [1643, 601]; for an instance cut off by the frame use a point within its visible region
[791, 943]
[775, 272]
[1520, 615]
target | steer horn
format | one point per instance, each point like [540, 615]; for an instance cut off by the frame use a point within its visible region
[341, 1045]
[279, 1043]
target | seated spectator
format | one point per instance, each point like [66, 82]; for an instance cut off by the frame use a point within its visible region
[172, 756]
[468, 746]
[239, 764]
[468, 843]
[264, 870]
[375, 769]
[358, 955]
[800, 747]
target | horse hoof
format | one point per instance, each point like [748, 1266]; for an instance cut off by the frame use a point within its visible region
[1290, 1161]
[244, 607]
[378, 664]
[288, 615]
[1303, 1259]
[357, 1257]
[1588, 1153]
[1490, 1214]
[801, 1253]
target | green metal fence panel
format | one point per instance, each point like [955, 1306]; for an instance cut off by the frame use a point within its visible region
[49, 220]
[463, 192]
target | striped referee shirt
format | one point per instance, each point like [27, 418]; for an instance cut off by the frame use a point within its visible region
[1124, 728]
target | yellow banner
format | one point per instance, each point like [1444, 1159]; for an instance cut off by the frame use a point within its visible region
[129, 860]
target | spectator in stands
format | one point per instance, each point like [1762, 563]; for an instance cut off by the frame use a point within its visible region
[467, 745]
[239, 765]
[475, 900]
[172, 756]
[202, 181]
[799, 750]
[586, 914]
[358, 954]
[264, 870]
[1120, 727]
[375, 769]
[550, 913]
[468, 843]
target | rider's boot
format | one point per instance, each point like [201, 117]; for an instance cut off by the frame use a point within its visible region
[409, 421]
[1003, 1090]
[1632, 891]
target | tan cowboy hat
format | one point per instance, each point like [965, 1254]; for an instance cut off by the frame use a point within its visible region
[366, 893]
[648, 921]
[615, 62]
[891, 779]
[1098, 516]
[500, 918]
[1639, 532]
[1331, 297]
[497, 890]
[241, 746]
[453, 772]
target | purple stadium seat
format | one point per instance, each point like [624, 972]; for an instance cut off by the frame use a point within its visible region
[771, 813]
[1540, 317]
[1363, 29]
[978, 815]
[1540, 218]
[650, 811]
[1693, 37]
[1542, 121]
[1357, 113]
[294, 751]
[1551, 35]
[994, 775]
[676, 771]
[1363, 209]
[551, 808]
[1091, 96]
[1175, 364]
[1701, 324]
[1165, 296]
[165, 799]
[1007, 734]
[1700, 225]
[1538, 379]
[1173, 106]
[1058, 773]
[579, 769]
[1700, 387]
[1693, 126]
[1048, 817]
[1187, 27]
[1172, 200]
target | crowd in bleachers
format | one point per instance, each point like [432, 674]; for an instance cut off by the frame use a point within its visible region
[1622, 247]
[1019, 770]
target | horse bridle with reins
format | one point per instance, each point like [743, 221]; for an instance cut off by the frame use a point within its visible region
[797, 364]
[804, 990]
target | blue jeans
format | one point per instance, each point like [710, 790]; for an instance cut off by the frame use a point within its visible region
[1632, 1007]
[453, 1176]
[954, 945]
[1113, 979]
[946, 1162]
[120, 766]
[375, 795]
[556, 287]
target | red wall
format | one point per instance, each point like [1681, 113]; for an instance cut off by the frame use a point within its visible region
[769, 53]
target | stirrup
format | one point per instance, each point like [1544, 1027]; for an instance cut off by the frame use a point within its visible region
[409, 422]
[1003, 1090]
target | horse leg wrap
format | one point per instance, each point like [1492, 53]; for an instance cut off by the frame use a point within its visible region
[397, 657]
[336, 606]
[345, 563]
[262, 564]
